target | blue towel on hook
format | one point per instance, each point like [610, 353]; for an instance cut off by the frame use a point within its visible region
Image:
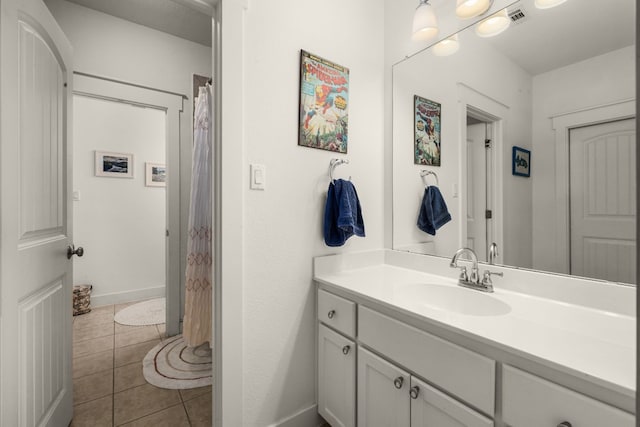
[433, 212]
[342, 213]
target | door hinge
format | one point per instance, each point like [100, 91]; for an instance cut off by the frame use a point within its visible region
[487, 143]
[167, 233]
[487, 214]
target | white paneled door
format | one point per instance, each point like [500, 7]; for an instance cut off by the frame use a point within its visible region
[35, 217]
[476, 190]
[603, 200]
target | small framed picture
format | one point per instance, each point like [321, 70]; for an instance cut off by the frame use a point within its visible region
[156, 174]
[114, 165]
[521, 164]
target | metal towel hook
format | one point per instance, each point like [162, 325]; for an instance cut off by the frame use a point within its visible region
[335, 163]
[423, 175]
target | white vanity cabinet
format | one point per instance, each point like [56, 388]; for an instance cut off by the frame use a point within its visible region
[383, 392]
[530, 401]
[336, 360]
[390, 396]
[336, 378]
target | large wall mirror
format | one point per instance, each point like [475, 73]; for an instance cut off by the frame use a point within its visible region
[559, 84]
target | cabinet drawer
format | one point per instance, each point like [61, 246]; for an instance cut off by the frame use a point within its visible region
[337, 312]
[457, 370]
[531, 401]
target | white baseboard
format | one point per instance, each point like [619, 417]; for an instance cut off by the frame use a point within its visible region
[127, 296]
[307, 417]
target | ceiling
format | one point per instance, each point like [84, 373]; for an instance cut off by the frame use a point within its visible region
[574, 31]
[187, 19]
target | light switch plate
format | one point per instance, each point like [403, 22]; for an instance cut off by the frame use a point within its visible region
[258, 177]
[76, 195]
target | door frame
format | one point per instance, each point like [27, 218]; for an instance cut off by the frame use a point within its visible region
[494, 112]
[172, 105]
[562, 124]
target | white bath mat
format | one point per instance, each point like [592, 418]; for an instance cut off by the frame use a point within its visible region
[173, 365]
[151, 312]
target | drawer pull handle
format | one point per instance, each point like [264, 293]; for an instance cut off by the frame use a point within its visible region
[331, 313]
[398, 382]
[564, 424]
[346, 349]
[414, 392]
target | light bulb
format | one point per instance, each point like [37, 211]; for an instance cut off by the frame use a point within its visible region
[447, 47]
[548, 4]
[493, 25]
[425, 23]
[466, 9]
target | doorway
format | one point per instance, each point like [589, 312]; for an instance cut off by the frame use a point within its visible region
[120, 220]
[480, 182]
[602, 165]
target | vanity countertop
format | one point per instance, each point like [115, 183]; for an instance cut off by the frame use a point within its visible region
[594, 344]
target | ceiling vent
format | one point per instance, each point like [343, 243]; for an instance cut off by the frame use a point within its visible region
[518, 16]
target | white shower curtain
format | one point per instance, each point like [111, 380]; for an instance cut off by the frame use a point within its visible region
[197, 311]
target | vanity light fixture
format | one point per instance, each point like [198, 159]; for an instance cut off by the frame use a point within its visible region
[493, 25]
[425, 23]
[548, 4]
[447, 47]
[466, 9]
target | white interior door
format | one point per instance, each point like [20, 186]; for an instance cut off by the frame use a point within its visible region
[603, 201]
[35, 217]
[476, 190]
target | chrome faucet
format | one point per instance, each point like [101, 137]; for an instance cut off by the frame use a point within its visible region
[464, 277]
[472, 280]
[493, 253]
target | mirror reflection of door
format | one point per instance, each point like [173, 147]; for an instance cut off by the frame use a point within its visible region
[479, 186]
[603, 200]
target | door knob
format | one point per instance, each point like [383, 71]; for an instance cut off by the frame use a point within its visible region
[71, 251]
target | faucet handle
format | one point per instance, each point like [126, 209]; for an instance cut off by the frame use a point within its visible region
[463, 274]
[486, 276]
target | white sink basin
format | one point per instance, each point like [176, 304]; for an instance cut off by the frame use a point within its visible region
[453, 298]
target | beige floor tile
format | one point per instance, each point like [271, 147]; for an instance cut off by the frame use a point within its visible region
[176, 416]
[119, 307]
[199, 410]
[97, 413]
[162, 330]
[128, 376]
[92, 319]
[133, 353]
[90, 332]
[92, 346]
[137, 402]
[192, 393]
[92, 363]
[125, 329]
[147, 333]
[103, 308]
[92, 387]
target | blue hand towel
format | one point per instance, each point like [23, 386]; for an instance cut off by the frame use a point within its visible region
[433, 211]
[342, 213]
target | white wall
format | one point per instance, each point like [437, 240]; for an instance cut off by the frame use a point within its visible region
[119, 221]
[283, 225]
[594, 82]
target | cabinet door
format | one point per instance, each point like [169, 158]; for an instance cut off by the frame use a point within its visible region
[336, 378]
[383, 392]
[430, 407]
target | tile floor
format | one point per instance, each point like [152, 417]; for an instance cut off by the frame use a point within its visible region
[108, 386]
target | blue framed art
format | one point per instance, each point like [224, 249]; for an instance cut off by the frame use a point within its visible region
[521, 162]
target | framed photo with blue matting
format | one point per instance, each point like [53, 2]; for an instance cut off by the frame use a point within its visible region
[521, 163]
